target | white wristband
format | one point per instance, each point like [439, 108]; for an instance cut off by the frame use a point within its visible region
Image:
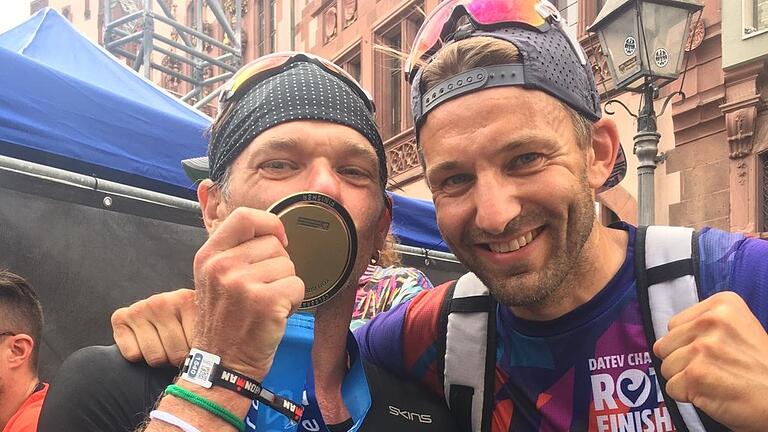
[172, 420]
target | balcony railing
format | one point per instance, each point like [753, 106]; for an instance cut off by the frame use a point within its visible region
[402, 158]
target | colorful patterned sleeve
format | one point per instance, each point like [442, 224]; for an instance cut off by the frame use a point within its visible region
[380, 289]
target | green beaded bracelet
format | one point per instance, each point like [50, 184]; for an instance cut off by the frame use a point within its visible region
[207, 405]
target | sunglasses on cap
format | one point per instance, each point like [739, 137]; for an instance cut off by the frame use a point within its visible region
[264, 67]
[440, 24]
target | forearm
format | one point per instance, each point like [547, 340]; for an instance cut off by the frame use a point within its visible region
[197, 416]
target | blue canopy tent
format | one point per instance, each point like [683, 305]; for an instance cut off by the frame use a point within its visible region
[67, 103]
[414, 224]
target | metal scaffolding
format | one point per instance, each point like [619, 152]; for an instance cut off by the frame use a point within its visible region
[190, 55]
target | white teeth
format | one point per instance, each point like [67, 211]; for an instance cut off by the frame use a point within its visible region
[512, 245]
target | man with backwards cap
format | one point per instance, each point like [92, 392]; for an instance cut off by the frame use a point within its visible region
[508, 121]
[289, 123]
[509, 126]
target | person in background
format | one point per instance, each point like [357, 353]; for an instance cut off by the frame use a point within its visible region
[21, 328]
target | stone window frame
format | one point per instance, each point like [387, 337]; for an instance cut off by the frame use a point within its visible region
[265, 26]
[749, 20]
[350, 55]
[406, 21]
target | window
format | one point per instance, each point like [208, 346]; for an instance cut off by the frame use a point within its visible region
[350, 62]
[261, 24]
[87, 11]
[393, 116]
[266, 26]
[391, 89]
[763, 194]
[272, 25]
[191, 20]
[755, 16]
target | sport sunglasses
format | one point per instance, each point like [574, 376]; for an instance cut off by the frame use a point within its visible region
[485, 14]
[272, 64]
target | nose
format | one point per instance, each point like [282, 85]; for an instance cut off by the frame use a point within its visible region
[324, 179]
[496, 203]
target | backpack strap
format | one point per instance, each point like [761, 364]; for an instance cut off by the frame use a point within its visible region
[467, 352]
[667, 268]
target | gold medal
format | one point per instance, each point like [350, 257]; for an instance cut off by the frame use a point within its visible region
[322, 243]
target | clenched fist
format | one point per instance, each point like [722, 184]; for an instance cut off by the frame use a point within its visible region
[716, 357]
[246, 288]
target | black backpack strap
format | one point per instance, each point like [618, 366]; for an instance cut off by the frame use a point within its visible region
[490, 367]
[442, 326]
[666, 266]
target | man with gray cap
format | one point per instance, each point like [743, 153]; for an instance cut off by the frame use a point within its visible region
[564, 324]
[294, 125]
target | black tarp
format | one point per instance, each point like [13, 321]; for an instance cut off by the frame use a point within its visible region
[86, 260]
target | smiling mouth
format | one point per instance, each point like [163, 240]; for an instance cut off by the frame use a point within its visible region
[515, 244]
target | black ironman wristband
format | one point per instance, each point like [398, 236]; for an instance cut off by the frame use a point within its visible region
[252, 389]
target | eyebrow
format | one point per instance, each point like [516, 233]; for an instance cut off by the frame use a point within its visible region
[276, 144]
[522, 141]
[293, 145]
[363, 151]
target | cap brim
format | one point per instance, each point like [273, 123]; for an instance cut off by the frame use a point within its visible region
[196, 168]
[618, 172]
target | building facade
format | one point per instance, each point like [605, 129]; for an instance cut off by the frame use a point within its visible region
[714, 144]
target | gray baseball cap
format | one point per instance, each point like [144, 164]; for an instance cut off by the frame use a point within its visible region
[552, 62]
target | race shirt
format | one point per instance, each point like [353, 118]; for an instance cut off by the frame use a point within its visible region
[588, 370]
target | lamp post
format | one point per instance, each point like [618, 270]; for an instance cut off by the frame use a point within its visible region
[643, 41]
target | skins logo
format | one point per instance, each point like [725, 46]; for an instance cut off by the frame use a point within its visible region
[412, 416]
[194, 367]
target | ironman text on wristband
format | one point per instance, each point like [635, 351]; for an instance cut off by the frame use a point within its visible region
[204, 369]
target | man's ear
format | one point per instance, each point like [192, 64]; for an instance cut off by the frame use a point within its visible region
[602, 152]
[211, 204]
[19, 350]
[382, 229]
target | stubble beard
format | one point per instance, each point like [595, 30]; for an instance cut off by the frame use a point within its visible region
[520, 288]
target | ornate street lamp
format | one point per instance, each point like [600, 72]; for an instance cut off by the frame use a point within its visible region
[644, 43]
